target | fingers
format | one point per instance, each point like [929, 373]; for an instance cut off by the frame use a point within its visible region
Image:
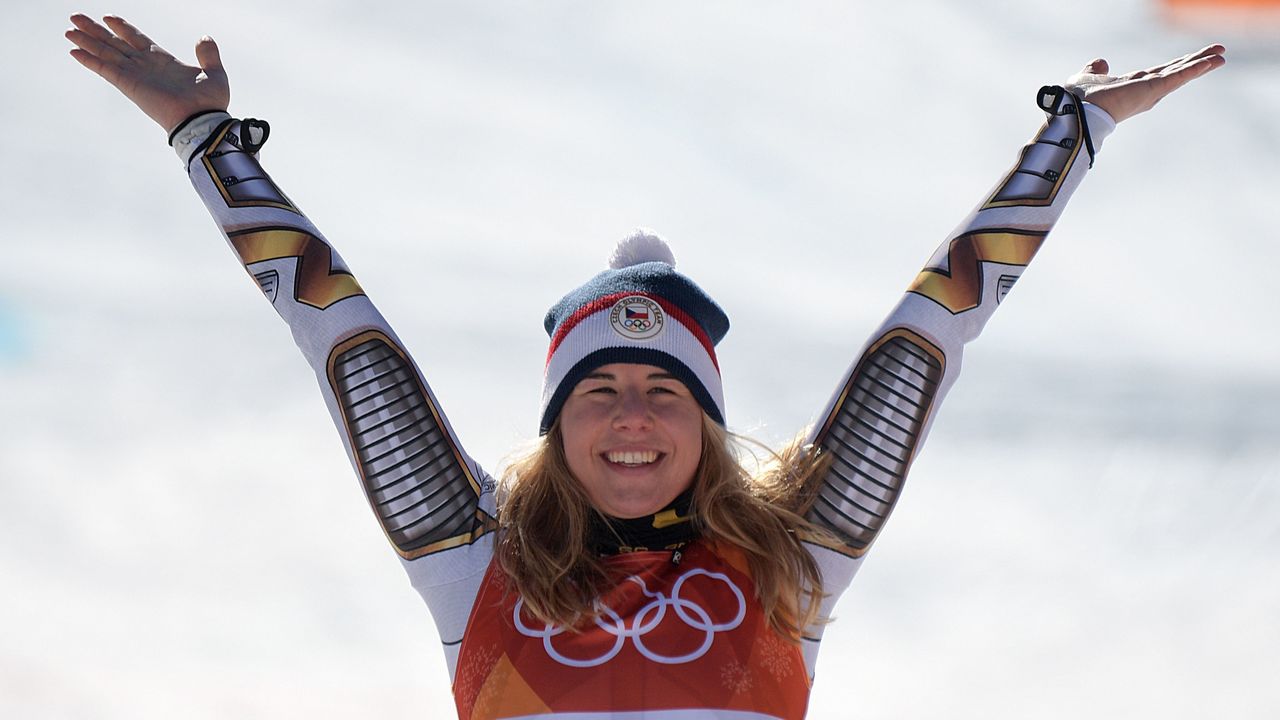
[121, 42]
[90, 44]
[96, 48]
[91, 61]
[97, 56]
[1163, 84]
[1207, 59]
[1193, 66]
[1205, 52]
[128, 33]
[1208, 51]
[1176, 78]
[109, 71]
[104, 44]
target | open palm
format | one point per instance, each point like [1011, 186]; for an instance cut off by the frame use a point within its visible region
[165, 88]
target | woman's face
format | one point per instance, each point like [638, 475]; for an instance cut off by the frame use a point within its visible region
[633, 438]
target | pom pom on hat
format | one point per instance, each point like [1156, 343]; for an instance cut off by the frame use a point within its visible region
[641, 246]
[642, 311]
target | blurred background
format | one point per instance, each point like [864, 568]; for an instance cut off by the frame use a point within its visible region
[1091, 530]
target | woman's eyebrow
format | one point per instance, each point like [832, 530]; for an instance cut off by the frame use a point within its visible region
[663, 376]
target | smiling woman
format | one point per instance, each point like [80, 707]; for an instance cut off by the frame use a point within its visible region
[629, 567]
[636, 474]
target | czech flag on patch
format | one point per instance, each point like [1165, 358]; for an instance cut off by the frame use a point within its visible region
[637, 314]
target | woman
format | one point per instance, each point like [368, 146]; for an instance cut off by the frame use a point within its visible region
[631, 568]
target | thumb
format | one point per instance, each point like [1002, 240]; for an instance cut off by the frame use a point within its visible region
[208, 57]
[1097, 67]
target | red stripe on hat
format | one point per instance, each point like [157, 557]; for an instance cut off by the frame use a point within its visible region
[687, 321]
[582, 313]
[608, 301]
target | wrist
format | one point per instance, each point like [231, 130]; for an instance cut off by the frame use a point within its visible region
[176, 128]
[191, 132]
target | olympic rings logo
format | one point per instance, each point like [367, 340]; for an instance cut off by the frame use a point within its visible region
[648, 618]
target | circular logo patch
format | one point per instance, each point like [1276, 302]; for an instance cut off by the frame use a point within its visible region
[637, 318]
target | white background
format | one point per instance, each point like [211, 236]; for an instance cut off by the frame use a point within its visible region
[1091, 531]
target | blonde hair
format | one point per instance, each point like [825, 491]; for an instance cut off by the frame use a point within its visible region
[546, 516]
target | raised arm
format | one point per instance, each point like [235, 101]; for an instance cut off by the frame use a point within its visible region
[434, 503]
[882, 410]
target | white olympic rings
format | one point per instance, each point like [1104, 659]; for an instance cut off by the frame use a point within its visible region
[645, 620]
[637, 325]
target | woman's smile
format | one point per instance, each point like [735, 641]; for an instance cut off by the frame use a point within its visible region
[632, 458]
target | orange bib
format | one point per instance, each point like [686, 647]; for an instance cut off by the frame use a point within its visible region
[668, 637]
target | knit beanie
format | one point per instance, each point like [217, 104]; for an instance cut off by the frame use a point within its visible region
[639, 311]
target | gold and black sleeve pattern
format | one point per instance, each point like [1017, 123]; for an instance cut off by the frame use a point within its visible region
[315, 281]
[423, 488]
[958, 286]
[871, 435]
[1045, 161]
[880, 417]
[230, 162]
[417, 481]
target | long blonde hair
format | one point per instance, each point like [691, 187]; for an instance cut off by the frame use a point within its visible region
[545, 519]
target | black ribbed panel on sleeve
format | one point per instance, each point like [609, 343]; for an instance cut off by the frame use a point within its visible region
[416, 481]
[871, 435]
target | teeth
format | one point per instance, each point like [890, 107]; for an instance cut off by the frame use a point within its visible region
[642, 457]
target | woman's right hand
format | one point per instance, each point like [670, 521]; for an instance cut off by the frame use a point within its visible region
[166, 89]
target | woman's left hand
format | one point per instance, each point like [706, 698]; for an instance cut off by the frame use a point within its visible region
[1124, 96]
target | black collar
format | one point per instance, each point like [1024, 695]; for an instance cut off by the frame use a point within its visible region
[668, 529]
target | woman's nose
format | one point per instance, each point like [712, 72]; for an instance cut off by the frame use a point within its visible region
[632, 410]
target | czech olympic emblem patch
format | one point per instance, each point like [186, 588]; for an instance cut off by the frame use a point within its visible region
[637, 318]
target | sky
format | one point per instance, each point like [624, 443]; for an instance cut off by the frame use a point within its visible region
[1090, 530]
